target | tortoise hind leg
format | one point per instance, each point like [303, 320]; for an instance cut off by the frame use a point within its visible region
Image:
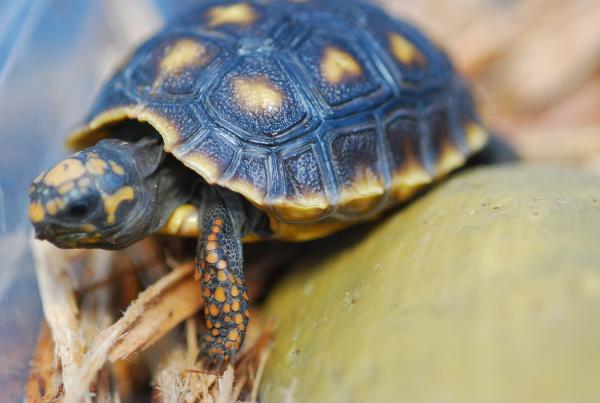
[497, 151]
[220, 262]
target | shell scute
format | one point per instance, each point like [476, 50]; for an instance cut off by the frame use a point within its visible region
[340, 70]
[322, 113]
[234, 19]
[357, 166]
[173, 66]
[258, 100]
[251, 176]
[213, 152]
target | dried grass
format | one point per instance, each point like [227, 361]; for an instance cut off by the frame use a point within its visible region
[90, 348]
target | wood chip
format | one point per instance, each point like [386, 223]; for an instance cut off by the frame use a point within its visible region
[45, 378]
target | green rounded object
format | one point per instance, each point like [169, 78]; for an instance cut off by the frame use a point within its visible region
[485, 290]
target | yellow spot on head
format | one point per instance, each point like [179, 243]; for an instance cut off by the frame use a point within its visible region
[221, 264]
[404, 51]
[238, 14]
[36, 212]
[235, 305]
[67, 171]
[257, 95]
[66, 188]
[213, 310]
[84, 183]
[51, 207]
[112, 202]
[235, 291]
[96, 166]
[118, 169]
[226, 308]
[185, 53]
[220, 294]
[338, 66]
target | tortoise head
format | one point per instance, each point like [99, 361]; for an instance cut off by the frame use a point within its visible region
[101, 197]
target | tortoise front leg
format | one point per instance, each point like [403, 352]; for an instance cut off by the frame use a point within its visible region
[220, 262]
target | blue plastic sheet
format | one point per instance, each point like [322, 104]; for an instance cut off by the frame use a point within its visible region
[54, 56]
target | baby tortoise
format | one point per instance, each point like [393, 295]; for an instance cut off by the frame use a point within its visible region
[253, 120]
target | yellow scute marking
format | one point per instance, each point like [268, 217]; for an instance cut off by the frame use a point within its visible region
[112, 202]
[404, 51]
[184, 53]
[237, 14]
[476, 136]
[36, 212]
[66, 171]
[257, 95]
[338, 66]
[309, 207]
[52, 207]
[66, 188]
[366, 191]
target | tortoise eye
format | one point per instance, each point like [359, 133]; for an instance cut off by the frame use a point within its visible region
[77, 209]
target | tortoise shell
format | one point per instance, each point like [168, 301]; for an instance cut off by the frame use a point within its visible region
[321, 113]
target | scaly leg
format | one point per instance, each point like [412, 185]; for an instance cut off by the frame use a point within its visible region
[220, 262]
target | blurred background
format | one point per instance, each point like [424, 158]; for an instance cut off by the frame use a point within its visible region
[534, 66]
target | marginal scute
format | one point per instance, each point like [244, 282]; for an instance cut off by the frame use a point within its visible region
[251, 177]
[449, 159]
[312, 207]
[303, 181]
[476, 136]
